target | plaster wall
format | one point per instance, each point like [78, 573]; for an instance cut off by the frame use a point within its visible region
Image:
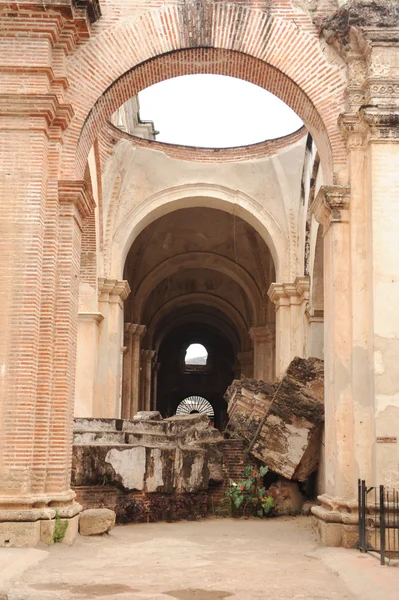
[132, 176]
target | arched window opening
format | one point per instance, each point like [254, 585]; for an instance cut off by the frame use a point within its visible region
[196, 356]
[196, 405]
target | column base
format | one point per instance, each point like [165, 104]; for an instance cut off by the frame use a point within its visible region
[24, 522]
[335, 521]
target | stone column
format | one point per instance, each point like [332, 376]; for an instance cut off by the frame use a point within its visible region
[146, 374]
[246, 360]
[155, 370]
[112, 294]
[135, 400]
[127, 372]
[263, 340]
[331, 209]
[291, 302]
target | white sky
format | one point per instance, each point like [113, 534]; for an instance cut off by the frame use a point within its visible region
[215, 111]
[196, 351]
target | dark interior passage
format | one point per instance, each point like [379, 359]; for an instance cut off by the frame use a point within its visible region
[177, 381]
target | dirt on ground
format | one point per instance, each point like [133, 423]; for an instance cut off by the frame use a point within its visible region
[207, 560]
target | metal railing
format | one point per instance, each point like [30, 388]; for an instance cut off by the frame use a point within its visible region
[379, 521]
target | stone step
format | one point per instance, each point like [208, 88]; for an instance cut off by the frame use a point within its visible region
[93, 424]
[99, 437]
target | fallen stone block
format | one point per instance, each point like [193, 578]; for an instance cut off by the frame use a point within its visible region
[96, 521]
[284, 421]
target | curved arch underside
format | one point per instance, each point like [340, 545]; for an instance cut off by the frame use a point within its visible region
[199, 264]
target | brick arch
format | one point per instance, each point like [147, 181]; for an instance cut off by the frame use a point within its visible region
[261, 46]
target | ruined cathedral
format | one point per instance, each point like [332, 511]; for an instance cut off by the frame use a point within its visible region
[119, 251]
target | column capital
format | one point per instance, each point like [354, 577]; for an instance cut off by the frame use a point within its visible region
[285, 294]
[147, 355]
[78, 194]
[135, 330]
[354, 129]
[261, 334]
[331, 205]
[113, 290]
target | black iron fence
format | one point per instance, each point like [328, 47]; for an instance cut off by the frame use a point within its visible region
[379, 522]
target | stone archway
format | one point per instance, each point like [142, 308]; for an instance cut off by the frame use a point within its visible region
[194, 270]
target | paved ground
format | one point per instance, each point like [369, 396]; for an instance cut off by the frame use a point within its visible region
[275, 559]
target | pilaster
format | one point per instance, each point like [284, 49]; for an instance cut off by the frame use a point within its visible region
[155, 370]
[146, 377]
[291, 301]
[112, 294]
[246, 360]
[263, 340]
[131, 369]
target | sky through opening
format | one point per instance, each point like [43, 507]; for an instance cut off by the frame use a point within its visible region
[215, 111]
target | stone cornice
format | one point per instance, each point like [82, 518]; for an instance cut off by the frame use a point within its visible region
[91, 317]
[79, 194]
[331, 206]
[290, 293]
[113, 288]
[45, 106]
[383, 123]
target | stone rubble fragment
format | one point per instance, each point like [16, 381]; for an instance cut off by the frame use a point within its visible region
[96, 521]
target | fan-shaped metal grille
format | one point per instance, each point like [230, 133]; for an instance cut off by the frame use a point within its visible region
[195, 404]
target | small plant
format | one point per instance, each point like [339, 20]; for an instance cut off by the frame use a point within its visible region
[106, 480]
[247, 497]
[60, 528]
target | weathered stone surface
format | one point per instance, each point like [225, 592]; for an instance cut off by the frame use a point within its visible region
[19, 534]
[143, 415]
[47, 529]
[180, 454]
[285, 427]
[96, 521]
[248, 400]
[287, 497]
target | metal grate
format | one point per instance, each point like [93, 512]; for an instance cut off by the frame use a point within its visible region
[195, 404]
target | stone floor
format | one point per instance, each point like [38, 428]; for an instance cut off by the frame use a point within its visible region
[208, 560]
